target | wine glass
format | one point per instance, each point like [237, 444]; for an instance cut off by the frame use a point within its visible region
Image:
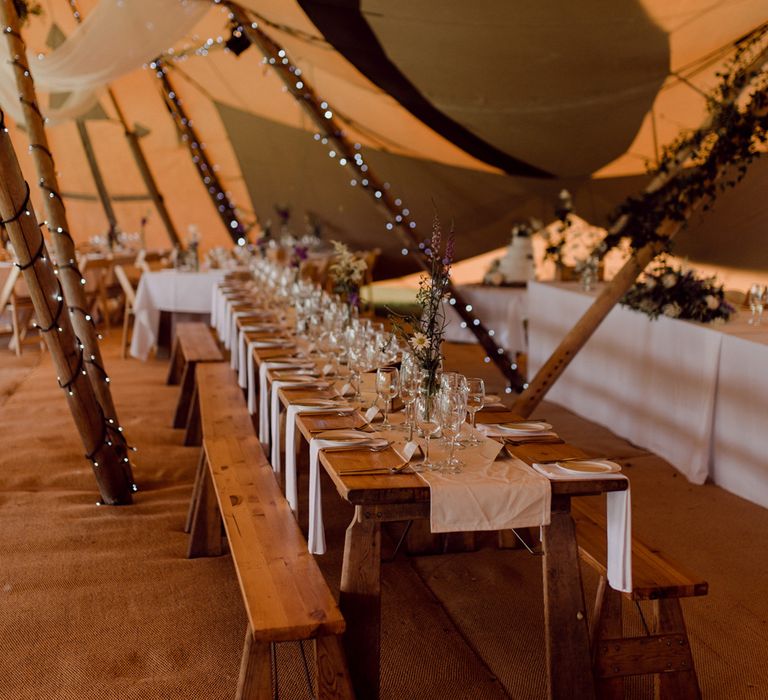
[410, 381]
[475, 400]
[387, 386]
[757, 294]
[428, 421]
[453, 412]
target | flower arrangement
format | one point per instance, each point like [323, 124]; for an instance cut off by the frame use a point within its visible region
[423, 333]
[672, 292]
[346, 273]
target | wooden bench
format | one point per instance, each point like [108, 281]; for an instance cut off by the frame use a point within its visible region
[664, 650]
[193, 343]
[285, 595]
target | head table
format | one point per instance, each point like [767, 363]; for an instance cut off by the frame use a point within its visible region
[359, 478]
[694, 394]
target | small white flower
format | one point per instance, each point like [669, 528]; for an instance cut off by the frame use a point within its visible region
[672, 310]
[650, 283]
[419, 341]
[712, 302]
[669, 280]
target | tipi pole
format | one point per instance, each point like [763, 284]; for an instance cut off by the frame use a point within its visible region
[69, 275]
[398, 219]
[138, 155]
[98, 179]
[99, 435]
[221, 200]
[578, 336]
[146, 173]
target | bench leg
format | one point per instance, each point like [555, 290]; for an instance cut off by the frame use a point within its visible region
[196, 487]
[606, 624]
[193, 436]
[187, 389]
[255, 681]
[205, 540]
[333, 680]
[680, 684]
[175, 366]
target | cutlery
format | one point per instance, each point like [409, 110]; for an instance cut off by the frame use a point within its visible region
[358, 446]
[379, 471]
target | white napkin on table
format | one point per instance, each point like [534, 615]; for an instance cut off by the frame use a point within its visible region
[238, 358]
[619, 516]
[316, 538]
[264, 390]
[294, 410]
[275, 415]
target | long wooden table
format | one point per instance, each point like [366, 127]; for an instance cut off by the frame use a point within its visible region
[401, 497]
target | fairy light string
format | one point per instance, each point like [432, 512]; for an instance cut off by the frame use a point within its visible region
[208, 172]
[110, 435]
[398, 218]
[32, 110]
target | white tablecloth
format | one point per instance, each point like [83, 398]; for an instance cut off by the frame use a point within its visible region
[501, 309]
[173, 291]
[692, 394]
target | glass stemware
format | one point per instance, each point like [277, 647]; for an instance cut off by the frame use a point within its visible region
[757, 298]
[453, 412]
[387, 386]
[428, 422]
[475, 400]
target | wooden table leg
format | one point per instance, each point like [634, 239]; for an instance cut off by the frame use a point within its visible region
[569, 667]
[360, 601]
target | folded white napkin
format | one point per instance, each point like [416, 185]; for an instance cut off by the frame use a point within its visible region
[291, 491]
[492, 430]
[238, 358]
[619, 516]
[263, 391]
[316, 538]
[275, 416]
[215, 294]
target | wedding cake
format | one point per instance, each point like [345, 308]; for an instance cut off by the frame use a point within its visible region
[516, 267]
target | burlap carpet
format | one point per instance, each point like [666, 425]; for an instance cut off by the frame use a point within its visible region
[99, 602]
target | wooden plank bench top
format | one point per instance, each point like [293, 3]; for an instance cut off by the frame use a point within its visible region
[221, 404]
[654, 576]
[197, 343]
[285, 594]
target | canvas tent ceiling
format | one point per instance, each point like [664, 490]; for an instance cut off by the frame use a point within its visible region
[452, 101]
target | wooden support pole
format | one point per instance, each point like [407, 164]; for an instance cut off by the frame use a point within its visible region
[146, 172]
[398, 219]
[221, 200]
[69, 275]
[99, 437]
[578, 336]
[98, 179]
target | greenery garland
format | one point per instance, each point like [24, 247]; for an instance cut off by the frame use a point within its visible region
[717, 155]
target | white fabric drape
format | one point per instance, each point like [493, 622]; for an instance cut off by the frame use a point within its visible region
[116, 38]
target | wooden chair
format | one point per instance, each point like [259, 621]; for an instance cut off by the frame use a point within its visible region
[152, 260]
[193, 343]
[664, 650]
[285, 595]
[15, 300]
[128, 278]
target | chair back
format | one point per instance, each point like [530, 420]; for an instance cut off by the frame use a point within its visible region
[9, 275]
[124, 273]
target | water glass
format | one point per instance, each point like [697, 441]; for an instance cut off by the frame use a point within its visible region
[387, 386]
[475, 401]
[453, 412]
[428, 422]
